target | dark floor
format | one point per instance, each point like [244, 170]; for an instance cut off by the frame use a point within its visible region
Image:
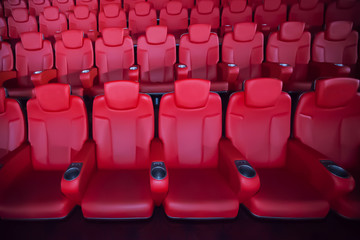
[160, 227]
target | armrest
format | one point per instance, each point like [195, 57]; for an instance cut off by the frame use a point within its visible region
[57, 35]
[92, 34]
[77, 176]
[277, 70]
[159, 178]
[134, 73]
[43, 77]
[264, 27]
[225, 29]
[229, 72]
[6, 75]
[307, 162]
[320, 69]
[181, 71]
[87, 77]
[234, 168]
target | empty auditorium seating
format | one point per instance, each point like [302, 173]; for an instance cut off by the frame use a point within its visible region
[20, 21]
[203, 179]
[92, 4]
[205, 12]
[270, 15]
[158, 4]
[235, 12]
[105, 2]
[343, 10]
[85, 20]
[52, 22]
[130, 4]
[31, 179]
[6, 62]
[175, 17]
[3, 28]
[65, 6]
[10, 5]
[37, 6]
[310, 12]
[112, 16]
[327, 120]
[141, 17]
[156, 56]
[244, 47]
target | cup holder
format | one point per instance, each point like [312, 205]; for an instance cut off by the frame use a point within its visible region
[245, 168]
[335, 169]
[73, 171]
[158, 170]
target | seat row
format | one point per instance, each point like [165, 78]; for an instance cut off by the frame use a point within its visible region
[334, 54]
[191, 170]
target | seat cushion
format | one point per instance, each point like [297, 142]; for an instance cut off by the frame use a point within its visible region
[284, 195]
[118, 194]
[199, 193]
[36, 194]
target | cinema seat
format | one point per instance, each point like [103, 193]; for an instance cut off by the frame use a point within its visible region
[141, 17]
[206, 13]
[158, 4]
[327, 120]
[6, 62]
[105, 2]
[156, 56]
[85, 20]
[52, 22]
[175, 17]
[188, 4]
[343, 10]
[130, 4]
[3, 28]
[91, 4]
[235, 12]
[10, 5]
[65, 6]
[112, 16]
[37, 6]
[31, 179]
[20, 21]
[270, 15]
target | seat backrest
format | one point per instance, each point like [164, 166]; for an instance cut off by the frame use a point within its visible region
[338, 44]
[91, 4]
[10, 5]
[158, 4]
[244, 47]
[175, 17]
[65, 6]
[141, 17]
[82, 19]
[271, 13]
[37, 6]
[190, 125]
[130, 4]
[73, 54]
[328, 120]
[236, 12]
[1, 10]
[20, 21]
[6, 57]
[114, 55]
[3, 28]
[52, 21]
[188, 4]
[156, 55]
[112, 16]
[258, 122]
[199, 51]
[33, 54]
[343, 10]
[205, 12]
[216, 2]
[12, 124]
[310, 12]
[105, 2]
[123, 126]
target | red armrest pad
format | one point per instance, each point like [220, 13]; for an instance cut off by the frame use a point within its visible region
[225, 29]
[181, 71]
[92, 34]
[229, 73]
[7, 75]
[134, 73]
[243, 186]
[328, 70]
[43, 77]
[277, 70]
[87, 77]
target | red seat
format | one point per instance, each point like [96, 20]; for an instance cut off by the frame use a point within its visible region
[20, 21]
[327, 120]
[288, 52]
[37, 6]
[6, 57]
[175, 17]
[112, 16]
[236, 12]
[270, 15]
[258, 124]
[92, 5]
[188, 4]
[216, 2]
[343, 10]
[3, 28]
[84, 20]
[32, 177]
[105, 2]
[130, 4]
[10, 5]
[12, 125]
[206, 13]
[158, 4]
[1, 10]
[52, 22]
[141, 17]
[245, 48]
[156, 55]
[65, 6]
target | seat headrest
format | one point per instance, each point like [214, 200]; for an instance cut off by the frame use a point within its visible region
[335, 92]
[142, 8]
[81, 12]
[121, 95]
[262, 92]
[2, 100]
[174, 7]
[73, 38]
[14, 2]
[244, 32]
[156, 34]
[38, 1]
[113, 36]
[343, 4]
[291, 31]
[205, 7]
[32, 40]
[308, 4]
[338, 31]
[237, 6]
[111, 10]
[63, 1]
[192, 93]
[272, 5]
[51, 13]
[20, 14]
[53, 97]
[199, 33]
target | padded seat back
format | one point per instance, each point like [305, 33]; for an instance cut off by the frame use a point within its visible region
[175, 17]
[6, 57]
[37, 6]
[158, 4]
[112, 16]
[141, 17]
[271, 13]
[82, 19]
[91, 4]
[10, 5]
[258, 122]
[156, 55]
[205, 12]
[236, 12]
[343, 10]
[130, 4]
[3, 28]
[105, 2]
[123, 125]
[65, 6]
[328, 120]
[20, 21]
[190, 125]
[310, 12]
[52, 21]
[188, 4]
[57, 125]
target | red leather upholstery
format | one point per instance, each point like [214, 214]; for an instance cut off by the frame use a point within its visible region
[236, 12]
[105, 2]
[327, 121]
[158, 4]
[258, 124]
[3, 28]
[175, 17]
[130, 4]
[82, 19]
[244, 47]
[190, 129]
[343, 10]
[65, 6]
[270, 15]
[20, 21]
[112, 16]
[310, 12]
[122, 162]
[156, 55]
[10, 5]
[141, 17]
[92, 4]
[52, 22]
[6, 57]
[205, 12]
[37, 6]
